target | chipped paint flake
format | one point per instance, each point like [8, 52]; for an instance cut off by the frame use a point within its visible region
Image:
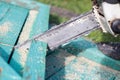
[5, 28]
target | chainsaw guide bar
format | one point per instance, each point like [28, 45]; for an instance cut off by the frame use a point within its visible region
[72, 29]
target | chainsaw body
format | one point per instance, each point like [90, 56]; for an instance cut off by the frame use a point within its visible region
[107, 14]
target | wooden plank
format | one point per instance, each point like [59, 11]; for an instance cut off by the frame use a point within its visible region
[31, 4]
[56, 61]
[82, 47]
[5, 51]
[11, 20]
[39, 25]
[35, 65]
[4, 9]
[11, 24]
[84, 69]
[90, 63]
[64, 56]
[20, 54]
[100, 58]
[6, 72]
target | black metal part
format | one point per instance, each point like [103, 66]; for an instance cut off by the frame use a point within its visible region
[115, 26]
[111, 49]
[112, 1]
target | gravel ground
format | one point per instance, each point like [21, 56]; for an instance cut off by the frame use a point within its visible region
[111, 49]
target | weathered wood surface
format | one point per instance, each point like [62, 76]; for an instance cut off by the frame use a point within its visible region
[6, 72]
[89, 64]
[77, 60]
[12, 19]
[20, 55]
[56, 61]
[35, 22]
[84, 69]
[82, 47]
[29, 4]
[5, 51]
[35, 65]
[11, 23]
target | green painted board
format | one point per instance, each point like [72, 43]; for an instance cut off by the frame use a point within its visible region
[11, 22]
[6, 72]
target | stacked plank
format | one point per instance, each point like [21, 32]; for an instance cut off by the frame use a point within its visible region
[21, 20]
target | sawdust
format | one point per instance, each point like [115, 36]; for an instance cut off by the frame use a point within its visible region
[5, 28]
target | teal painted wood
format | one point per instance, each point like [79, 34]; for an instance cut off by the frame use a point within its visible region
[6, 72]
[29, 4]
[81, 47]
[5, 51]
[11, 20]
[84, 69]
[41, 22]
[11, 23]
[56, 61]
[40, 25]
[89, 64]
[42, 17]
[35, 65]
[3, 8]
[101, 58]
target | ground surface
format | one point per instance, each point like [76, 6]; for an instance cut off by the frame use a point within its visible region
[110, 49]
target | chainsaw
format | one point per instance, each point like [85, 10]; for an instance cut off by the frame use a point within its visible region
[104, 15]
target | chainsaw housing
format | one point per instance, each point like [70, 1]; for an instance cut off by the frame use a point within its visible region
[107, 14]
